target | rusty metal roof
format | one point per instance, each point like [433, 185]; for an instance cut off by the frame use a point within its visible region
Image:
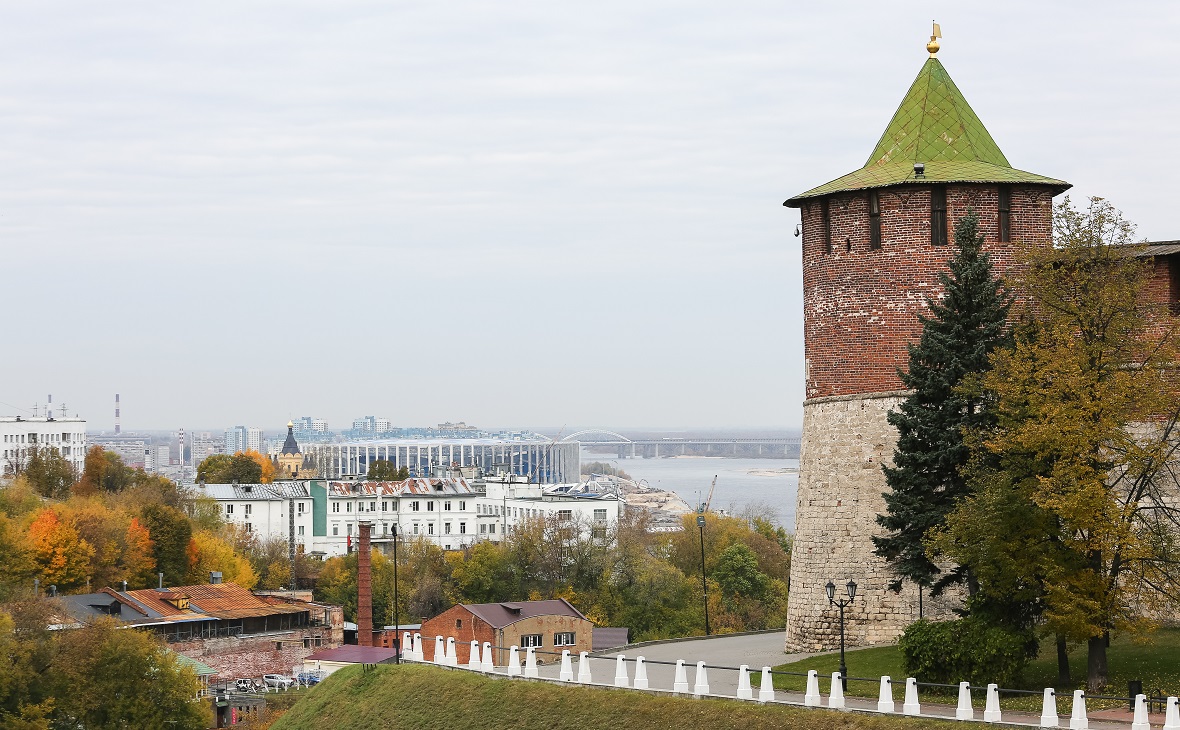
[219, 600]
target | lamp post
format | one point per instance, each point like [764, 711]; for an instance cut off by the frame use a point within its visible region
[397, 638]
[704, 583]
[830, 588]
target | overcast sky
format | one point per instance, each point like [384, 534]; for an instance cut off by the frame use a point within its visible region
[513, 213]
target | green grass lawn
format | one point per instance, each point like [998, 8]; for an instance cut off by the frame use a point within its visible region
[426, 697]
[1155, 661]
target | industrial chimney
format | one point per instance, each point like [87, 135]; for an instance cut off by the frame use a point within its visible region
[118, 424]
[364, 588]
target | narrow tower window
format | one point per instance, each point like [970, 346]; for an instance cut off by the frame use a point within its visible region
[874, 220]
[1005, 206]
[938, 215]
[825, 225]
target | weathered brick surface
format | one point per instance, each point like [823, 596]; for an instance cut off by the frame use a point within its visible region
[860, 304]
[861, 308]
[252, 657]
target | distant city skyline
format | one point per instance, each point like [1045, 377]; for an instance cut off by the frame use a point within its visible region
[505, 214]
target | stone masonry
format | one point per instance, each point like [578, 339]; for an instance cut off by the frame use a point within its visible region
[845, 441]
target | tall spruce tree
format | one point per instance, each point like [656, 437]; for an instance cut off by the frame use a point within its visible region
[926, 479]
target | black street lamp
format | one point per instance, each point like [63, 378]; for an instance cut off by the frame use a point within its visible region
[397, 639]
[831, 591]
[704, 583]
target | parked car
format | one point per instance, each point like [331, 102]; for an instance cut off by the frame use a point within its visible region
[308, 678]
[277, 680]
[245, 685]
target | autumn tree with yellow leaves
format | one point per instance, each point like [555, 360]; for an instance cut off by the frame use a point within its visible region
[1073, 518]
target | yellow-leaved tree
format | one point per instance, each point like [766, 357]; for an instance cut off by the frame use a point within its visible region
[209, 553]
[60, 556]
[1074, 513]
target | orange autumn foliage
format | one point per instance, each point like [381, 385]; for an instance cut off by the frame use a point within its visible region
[61, 556]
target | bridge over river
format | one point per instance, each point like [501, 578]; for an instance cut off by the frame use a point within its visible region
[605, 442]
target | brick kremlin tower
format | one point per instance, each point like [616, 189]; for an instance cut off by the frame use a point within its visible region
[873, 242]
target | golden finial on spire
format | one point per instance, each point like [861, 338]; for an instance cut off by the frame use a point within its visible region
[932, 46]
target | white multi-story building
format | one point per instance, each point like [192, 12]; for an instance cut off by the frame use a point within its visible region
[204, 446]
[19, 434]
[131, 449]
[241, 438]
[453, 513]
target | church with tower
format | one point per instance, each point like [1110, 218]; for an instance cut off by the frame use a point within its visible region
[873, 242]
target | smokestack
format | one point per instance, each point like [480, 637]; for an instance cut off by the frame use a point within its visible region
[49, 408]
[161, 577]
[364, 588]
[118, 423]
[180, 440]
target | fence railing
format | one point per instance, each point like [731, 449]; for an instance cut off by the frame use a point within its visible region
[632, 673]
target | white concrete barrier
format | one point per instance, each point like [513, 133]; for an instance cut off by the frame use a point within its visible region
[701, 686]
[1172, 714]
[836, 695]
[583, 667]
[440, 655]
[488, 664]
[530, 663]
[513, 661]
[766, 690]
[1140, 722]
[812, 698]
[567, 667]
[473, 657]
[640, 673]
[452, 654]
[680, 682]
[419, 653]
[1077, 717]
[885, 700]
[964, 711]
[407, 647]
[744, 691]
[621, 679]
[1049, 709]
[911, 706]
[991, 709]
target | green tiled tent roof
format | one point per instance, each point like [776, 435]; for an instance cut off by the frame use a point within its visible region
[936, 126]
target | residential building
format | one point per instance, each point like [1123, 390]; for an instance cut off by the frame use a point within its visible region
[19, 434]
[205, 445]
[241, 438]
[131, 449]
[549, 626]
[323, 516]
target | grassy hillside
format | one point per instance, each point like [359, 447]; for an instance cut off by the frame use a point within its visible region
[1153, 659]
[414, 696]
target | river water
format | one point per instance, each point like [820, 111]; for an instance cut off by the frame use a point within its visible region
[760, 483]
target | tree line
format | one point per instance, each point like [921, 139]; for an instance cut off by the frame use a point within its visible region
[631, 577]
[1034, 470]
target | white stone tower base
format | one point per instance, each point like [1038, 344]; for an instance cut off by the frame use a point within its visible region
[845, 441]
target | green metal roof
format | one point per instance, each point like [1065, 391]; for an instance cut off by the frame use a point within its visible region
[936, 126]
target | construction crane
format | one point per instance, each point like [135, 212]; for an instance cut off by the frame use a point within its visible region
[708, 500]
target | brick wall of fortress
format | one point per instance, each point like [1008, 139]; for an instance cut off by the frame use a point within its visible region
[860, 312]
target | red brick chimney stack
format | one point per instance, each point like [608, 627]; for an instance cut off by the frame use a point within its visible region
[364, 588]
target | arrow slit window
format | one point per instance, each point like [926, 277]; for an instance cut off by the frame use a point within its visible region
[874, 220]
[938, 215]
[1005, 208]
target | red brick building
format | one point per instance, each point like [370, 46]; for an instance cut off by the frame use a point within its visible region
[550, 626]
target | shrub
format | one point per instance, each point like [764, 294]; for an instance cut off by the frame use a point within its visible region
[965, 650]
